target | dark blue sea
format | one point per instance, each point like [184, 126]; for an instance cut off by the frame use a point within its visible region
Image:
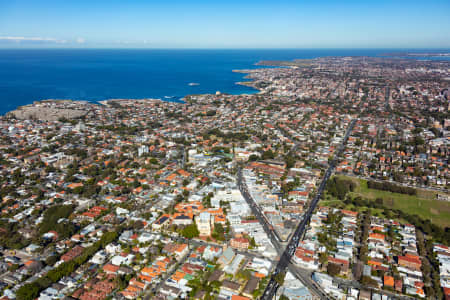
[30, 75]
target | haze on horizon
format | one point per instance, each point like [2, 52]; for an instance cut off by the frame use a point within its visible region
[224, 24]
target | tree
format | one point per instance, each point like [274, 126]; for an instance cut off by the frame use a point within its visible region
[333, 269]
[253, 157]
[51, 218]
[219, 232]
[367, 280]
[13, 267]
[78, 190]
[51, 260]
[190, 231]
[28, 291]
[269, 154]
[323, 257]
[244, 274]
[339, 187]
[279, 278]
[379, 201]
[290, 161]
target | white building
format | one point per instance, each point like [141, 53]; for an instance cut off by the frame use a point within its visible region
[142, 150]
[113, 248]
[204, 223]
[212, 252]
[122, 260]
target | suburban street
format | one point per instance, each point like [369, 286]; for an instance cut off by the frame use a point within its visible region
[275, 242]
[286, 255]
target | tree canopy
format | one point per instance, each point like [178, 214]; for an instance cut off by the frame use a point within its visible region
[190, 231]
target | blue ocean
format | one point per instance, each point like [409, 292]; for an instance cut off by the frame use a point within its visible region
[82, 74]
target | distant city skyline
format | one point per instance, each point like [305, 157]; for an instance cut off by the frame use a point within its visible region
[220, 24]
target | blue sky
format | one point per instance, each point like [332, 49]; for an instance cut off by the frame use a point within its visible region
[224, 24]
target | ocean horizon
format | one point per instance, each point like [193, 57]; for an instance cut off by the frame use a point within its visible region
[28, 75]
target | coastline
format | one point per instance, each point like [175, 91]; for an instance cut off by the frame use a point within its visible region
[22, 91]
[30, 75]
[181, 100]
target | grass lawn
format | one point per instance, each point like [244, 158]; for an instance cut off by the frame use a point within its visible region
[424, 204]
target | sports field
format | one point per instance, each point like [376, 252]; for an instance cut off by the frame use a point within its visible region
[424, 204]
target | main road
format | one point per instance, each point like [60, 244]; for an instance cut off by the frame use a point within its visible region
[286, 255]
[274, 236]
